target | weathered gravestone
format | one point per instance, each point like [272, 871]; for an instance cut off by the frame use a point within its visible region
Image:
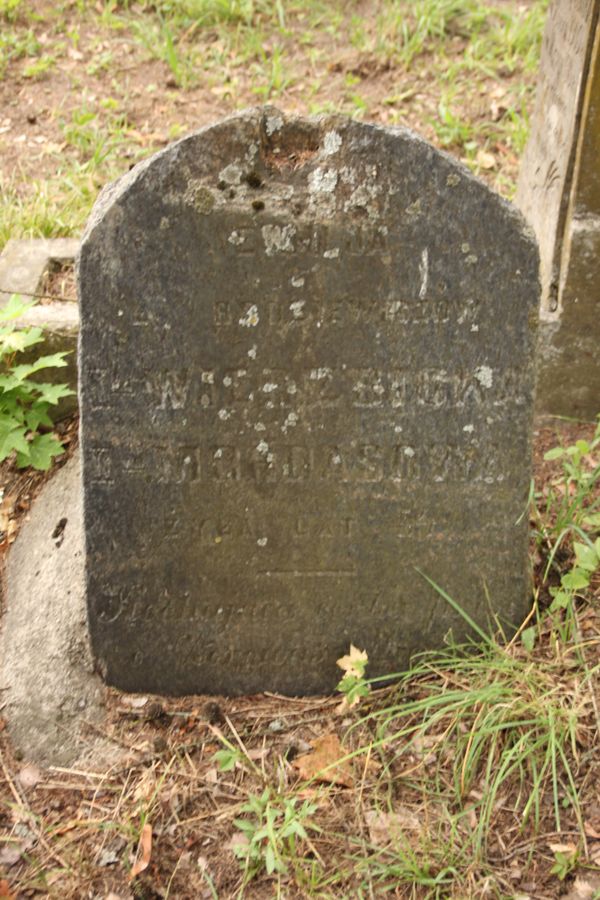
[559, 193]
[306, 369]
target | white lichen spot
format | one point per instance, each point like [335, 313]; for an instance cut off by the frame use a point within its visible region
[273, 123]
[278, 238]
[120, 312]
[336, 459]
[465, 247]
[408, 451]
[331, 143]
[471, 259]
[469, 429]
[164, 223]
[250, 318]
[438, 478]
[484, 376]
[332, 254]
[218, 453]
[290, 422]
[236, 238]
[424, 273]
[318, 374]
[269, 387]
[297, 281]
[262, 447]
[296, 307]
[474, 327]
[397, 429]
[291, 388]
[259, 427]
[228, 381]
[452, 180]
[224, 414]
[208, 377]
[262, 541]
[322, 181]
[252, 351]
[231, 174]
[241, 373]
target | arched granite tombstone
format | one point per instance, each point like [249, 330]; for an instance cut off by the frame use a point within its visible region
[306, 371]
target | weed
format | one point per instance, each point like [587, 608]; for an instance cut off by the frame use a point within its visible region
[39, 67]
[24, 403]
[9, 9]
[276, 824]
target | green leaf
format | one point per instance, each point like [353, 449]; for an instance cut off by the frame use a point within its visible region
[586, 556]
[226, 759]
[37, 415]
[41, 451]
[561, 600]
[592, 520]
[575, 580]
[44, 362]
[555, 453]
[52, 393]
[528, 637]
[17, 341]
[14, 308]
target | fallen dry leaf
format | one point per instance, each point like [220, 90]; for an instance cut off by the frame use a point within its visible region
[323, 763]
[584, 888]
[29, 776]
[591, 831]
[571, 849]
[144, 852]
[389, 826]
[5, 890]
[485, 160]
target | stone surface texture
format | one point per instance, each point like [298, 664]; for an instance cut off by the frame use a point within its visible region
[559, 192]
[306, 374]
[46, 671]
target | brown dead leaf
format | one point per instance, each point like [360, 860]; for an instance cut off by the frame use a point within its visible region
[29, 776]
[389, 826]
[485, 160]
[591, 831]
[323, 764]
[144, 852]
[5, 890]
[584, 888]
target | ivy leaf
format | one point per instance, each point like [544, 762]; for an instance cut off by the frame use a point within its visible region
[17, 341]
[14, 308]
[12, 439]
[52, 393]
[354, 663]
[40, 452]
[38, 415]
[44, 362]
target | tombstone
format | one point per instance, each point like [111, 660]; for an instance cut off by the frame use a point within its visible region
[559, 193]
[306, 378]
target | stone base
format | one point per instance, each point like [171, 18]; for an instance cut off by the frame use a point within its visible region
[46, 676]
